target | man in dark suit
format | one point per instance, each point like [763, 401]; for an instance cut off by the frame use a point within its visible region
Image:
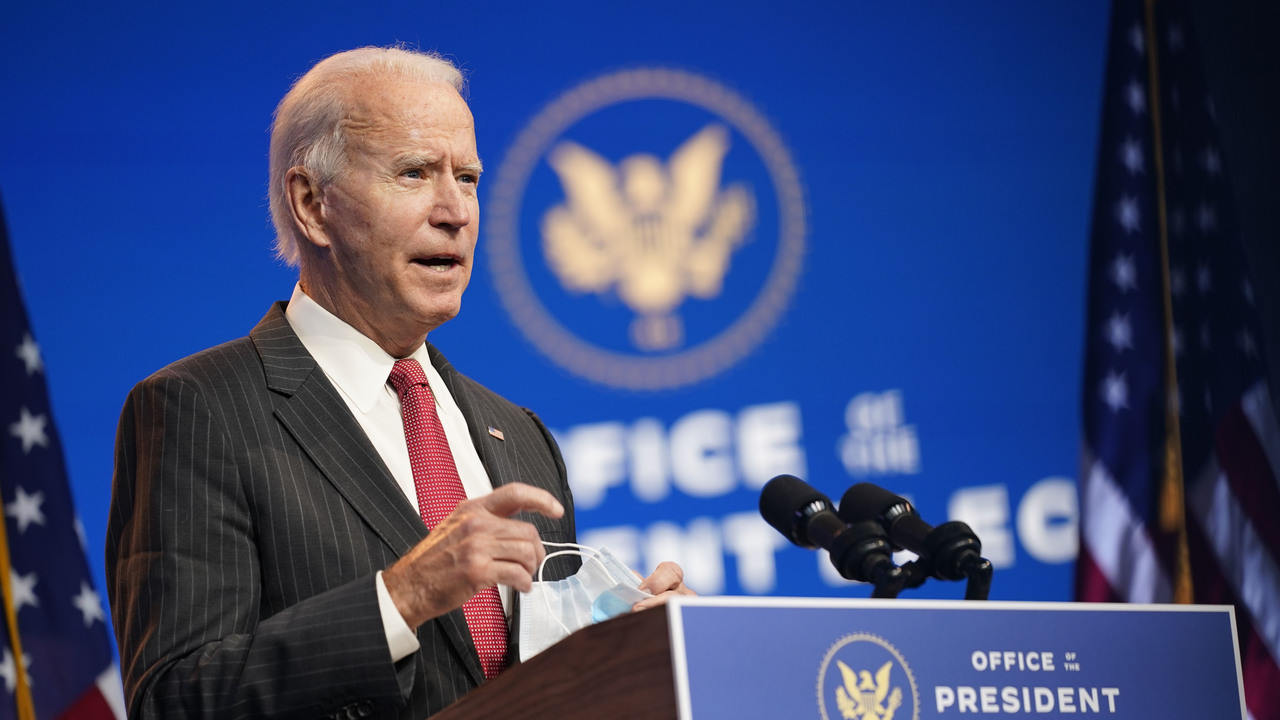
[279, 543]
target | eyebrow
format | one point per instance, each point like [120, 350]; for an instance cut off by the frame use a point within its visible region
[421, 160]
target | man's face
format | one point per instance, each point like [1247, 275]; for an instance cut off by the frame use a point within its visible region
[402, 220]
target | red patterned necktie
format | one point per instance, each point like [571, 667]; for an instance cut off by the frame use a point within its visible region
[439, 491]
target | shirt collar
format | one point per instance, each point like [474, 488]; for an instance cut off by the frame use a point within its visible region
[352, 361]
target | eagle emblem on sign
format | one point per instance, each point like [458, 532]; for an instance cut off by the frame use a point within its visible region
[863, 697]
[655, 233]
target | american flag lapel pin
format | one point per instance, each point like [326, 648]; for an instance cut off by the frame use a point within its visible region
[496, 432]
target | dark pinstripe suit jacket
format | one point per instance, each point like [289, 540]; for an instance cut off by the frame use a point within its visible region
[249, 515]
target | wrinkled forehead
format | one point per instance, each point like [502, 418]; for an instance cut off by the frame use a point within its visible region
[395, 107]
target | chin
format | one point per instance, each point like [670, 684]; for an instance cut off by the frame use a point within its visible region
[435, 317]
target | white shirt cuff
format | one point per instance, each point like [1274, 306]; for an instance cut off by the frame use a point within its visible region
[401, 638]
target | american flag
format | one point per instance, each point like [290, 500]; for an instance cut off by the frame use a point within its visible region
[56, 659]
[1180, 489]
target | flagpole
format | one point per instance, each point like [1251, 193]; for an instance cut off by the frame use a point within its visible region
[22, 690]
[1173, 517]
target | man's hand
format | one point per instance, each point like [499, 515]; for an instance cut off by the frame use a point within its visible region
[667, 580]
[476, 547]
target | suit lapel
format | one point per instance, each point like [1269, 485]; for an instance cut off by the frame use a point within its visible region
[318, 419]
[492, 451]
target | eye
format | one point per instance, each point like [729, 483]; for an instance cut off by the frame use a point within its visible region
[413, 174]
[469, 178]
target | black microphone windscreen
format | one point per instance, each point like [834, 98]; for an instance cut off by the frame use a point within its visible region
[783, 501]
[865, 501]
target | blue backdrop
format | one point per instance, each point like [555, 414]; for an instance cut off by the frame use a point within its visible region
[901, 194]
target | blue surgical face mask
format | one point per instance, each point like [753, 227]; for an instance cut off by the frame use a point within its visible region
[603, 587]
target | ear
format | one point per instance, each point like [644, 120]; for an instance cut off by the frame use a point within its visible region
[305, 198]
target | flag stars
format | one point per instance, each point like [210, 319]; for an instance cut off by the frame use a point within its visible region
[30, 428]
[1124, 274]
[1135, 97]
[1132, 156]
[29, 353]
[1206, 218]
[89, 605]
[1176, 39]
[22, 589]
[1248, 345]
[1204, 279]
[1211, 161]
[1178, 222]
[1115, 391]
[1177, 281]
[1246, 288]
[1120, 332]
[1128, 215]
[1137, 40]
[1178, 402]
[25, 509]
[9, 671]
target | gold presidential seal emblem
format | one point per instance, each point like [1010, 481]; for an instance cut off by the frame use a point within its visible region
[863, 677]
[646, 229]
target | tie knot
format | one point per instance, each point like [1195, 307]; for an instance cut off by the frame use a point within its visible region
[405, 374]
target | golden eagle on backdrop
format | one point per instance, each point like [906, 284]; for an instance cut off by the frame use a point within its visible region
[653, 233]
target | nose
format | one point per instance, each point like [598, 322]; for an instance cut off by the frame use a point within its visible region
[452, 206]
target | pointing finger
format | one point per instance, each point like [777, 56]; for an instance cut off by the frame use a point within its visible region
[519, 497]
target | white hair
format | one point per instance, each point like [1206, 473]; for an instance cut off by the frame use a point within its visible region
[308, 129]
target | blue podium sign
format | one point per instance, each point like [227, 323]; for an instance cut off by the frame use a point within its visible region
[905, 660]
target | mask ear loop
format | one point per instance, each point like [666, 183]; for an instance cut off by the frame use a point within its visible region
[585, 548]
[583, 551]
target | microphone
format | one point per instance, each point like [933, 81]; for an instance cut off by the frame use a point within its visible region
[860, 551]
[951, 550]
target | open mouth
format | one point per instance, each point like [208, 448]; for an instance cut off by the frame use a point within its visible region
[439, 262]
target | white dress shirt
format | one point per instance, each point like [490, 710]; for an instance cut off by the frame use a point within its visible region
[359, 369]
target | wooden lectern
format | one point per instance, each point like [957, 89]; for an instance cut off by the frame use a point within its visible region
[620, 669]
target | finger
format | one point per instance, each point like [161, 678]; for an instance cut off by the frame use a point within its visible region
[661, 599]
[667, 576]
[467, 552]
[503, 558]
[519, 497]
[515, 575]
[651, 602]
[520, 545]
[478, 538]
